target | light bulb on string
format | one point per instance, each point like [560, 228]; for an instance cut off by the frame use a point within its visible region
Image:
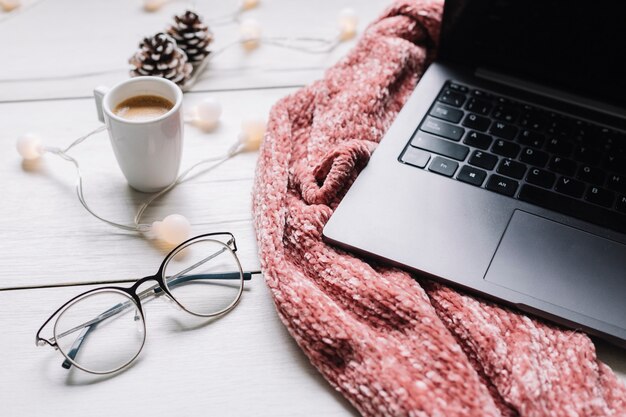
[252, 133]
[248, 4]
[10, 5]
[206, 114]
[250, 33]
[29, 146]
[173, 229]
[347, 22]
[153, 5]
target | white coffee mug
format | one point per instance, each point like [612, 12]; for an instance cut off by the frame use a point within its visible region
[147, 151]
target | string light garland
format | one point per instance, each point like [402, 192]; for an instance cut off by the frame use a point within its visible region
[152, 6]
[174, 228]
[162, 55]
[250, 37]
[347, 23]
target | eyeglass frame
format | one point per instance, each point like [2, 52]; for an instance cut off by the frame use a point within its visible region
[159, 289]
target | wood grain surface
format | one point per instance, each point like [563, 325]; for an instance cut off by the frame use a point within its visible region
[53, 53]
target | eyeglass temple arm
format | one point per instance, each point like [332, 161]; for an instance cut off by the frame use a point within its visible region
[88, 327]
[247, 276]
[91, 325]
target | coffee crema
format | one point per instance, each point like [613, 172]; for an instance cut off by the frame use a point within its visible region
[143, 108]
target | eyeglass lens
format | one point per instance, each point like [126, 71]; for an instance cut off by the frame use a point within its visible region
[204, 277]
[100, 332]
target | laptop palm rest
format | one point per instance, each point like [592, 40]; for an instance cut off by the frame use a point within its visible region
[564, 266]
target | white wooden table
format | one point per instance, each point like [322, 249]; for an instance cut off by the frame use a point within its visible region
[52, 55]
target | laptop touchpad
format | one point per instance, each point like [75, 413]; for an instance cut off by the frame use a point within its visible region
[564, 266]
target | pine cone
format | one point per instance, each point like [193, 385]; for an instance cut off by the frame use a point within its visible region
[159, 56]
[191, 35]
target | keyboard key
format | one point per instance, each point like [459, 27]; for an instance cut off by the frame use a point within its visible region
[600, 196]
[446, 113]
[473, 121]
[478, 106]
[443, 166]
[560, 146]
[540, 177]
[534, 157]
[530, 138]
[606, 137]
[477, 140]
[570, 187]
[534, 120]
[587, 155]
[452, 98]
[457, 87]
[562, 166]
[505, 148]
[618, 147]
[502, 185]
[511, 168]
[558, 125]
[615, 164]
[591, 175]
[442, 147]
[437, 127]
[471, 175]
[583, 131]
[572, 207]
[621, 204]
[503, 130]
[415, 157]
[481, 94]
[593, 141]
[503, 100]
[483, 160]
[506, 112]
[617, 182]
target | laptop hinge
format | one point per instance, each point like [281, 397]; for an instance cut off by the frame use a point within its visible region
[550, 92]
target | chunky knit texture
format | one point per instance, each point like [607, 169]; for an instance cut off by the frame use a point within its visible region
[391, 343]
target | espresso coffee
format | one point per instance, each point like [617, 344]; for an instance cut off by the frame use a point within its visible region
[142, 108]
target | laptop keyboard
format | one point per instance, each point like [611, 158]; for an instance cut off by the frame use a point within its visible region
[525, 152]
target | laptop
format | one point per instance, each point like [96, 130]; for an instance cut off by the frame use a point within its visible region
[505, 172]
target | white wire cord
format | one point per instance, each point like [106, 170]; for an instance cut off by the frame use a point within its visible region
[303, 43]
[226, 19]
[217, 161]
[137, 226]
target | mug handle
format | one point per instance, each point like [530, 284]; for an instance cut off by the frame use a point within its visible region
[98, 95]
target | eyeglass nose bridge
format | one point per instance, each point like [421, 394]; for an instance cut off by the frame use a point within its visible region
[154, 290]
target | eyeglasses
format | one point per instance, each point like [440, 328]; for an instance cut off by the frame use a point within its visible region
[102, 331]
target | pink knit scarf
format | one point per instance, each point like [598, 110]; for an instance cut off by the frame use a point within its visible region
[391, 343]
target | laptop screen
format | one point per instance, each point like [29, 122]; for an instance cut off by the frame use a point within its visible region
[574, 46]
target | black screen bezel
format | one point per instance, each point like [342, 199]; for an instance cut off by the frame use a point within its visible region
[457, 46]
